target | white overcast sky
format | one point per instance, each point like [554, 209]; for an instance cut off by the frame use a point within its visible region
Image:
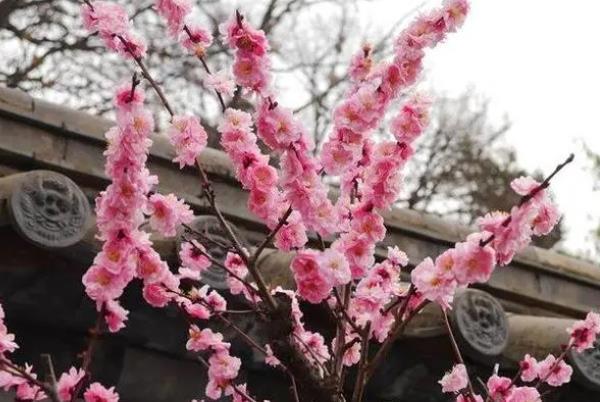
[537, 61]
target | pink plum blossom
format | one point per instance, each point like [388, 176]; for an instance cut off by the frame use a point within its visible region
[7, 341]
[583, 333]
[150, 267]
[200, 340]
[412, 119]
[554, 372]
[220, 82]
[397, 257]
[189, 139]
[167, 213]
[196, 39]
[243, 37]
[111, 22]
[237, 267]
[223, 368]
[106, 17]
[524, 394]
[67, 383]
[432, 283]
[473, 263]
[98, 393]
[529, 368]
[115, 315]
[156, 295]
[174, 11]
[276, 126]
[270, 358]
[193, 256]
[361, 64]
[292, 235]
[455, 380]
[313, 284]
[499, 388]
[335, 266]
[103, 285]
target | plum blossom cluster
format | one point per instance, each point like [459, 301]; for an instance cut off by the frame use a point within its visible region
[351, 256]
[375, 291]
[583, 333]
[251, 62]
[194, 260]
[182, 27]
[513, 231]
[375, 183]
[552, 370]
[202, 303]
[377, 85]
[251, 166]
[280, 130]
[300, 171]
[186, 133]
[502, 236]
[194, 38]
[120, 207]
[236, 272]
[222, 367]
[127, 250]
[112, 24]
[371, 180]
[188, 137]
[377, 186]
[371, 173]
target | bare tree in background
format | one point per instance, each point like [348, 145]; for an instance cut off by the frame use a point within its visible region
[462, 157]
[47, 54]
[594, 160]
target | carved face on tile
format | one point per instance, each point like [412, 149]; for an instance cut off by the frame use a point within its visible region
[481, 322]
[587, 365]
[49, 210]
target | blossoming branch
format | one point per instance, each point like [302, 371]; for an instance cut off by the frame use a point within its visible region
[271, 152]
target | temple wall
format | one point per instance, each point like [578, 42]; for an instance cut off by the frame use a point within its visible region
[41, 289]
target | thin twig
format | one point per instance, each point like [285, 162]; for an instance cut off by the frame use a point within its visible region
[146, 74]
[21, 372]
[456, 349]
[294, 387]
[206, 68]
[399, 327]
[51, 380]
[314, 355]
[359, 385]
[209, 192]
[267, 240]
[529, 196]
[207, 238]
[88, 355]
[343, 310]
[248, 285]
